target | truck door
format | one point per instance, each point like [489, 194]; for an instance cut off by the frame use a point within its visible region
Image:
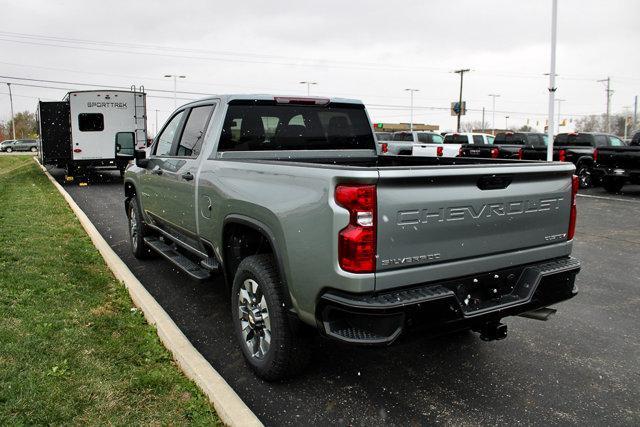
[180, 203]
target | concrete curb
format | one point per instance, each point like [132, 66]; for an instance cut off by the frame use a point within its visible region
[230, 408]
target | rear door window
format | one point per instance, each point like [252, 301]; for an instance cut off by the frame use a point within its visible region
[193, 133]
[403, 136]
[616, 142]
[477, 139]
[601, 140]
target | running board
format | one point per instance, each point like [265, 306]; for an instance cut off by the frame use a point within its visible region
[182, 262]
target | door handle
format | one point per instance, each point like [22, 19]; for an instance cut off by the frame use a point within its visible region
[187, 176]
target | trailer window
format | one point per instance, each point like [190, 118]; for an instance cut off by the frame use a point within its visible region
[193, 134]
[91, 122]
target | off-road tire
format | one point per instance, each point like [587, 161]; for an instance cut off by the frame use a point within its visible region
[289, 348]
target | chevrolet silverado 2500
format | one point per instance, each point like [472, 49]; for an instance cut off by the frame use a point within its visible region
[288, 201]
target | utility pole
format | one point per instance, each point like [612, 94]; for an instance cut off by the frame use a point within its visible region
[493, 119]
[461, 72]
[552, 77]
[635, 113]
[609, 92]
[411, 91]
[175, 86]
[13, 124]
[482, 119]
[308, 86]
[559, 101]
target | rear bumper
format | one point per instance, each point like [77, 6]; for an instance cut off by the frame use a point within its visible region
[466, 302]
[619, 172]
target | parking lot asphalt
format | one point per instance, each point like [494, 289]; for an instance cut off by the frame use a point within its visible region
[581, 366]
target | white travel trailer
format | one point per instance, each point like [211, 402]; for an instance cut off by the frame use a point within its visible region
[93, 129]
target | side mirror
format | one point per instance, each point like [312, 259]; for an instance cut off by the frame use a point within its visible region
[141, 158]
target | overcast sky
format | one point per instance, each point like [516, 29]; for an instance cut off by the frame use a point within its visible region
[367, 50]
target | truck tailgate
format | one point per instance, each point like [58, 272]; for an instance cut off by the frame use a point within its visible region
[619, 157]
[444, 214]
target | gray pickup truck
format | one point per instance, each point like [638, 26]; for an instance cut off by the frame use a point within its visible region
[288, 201]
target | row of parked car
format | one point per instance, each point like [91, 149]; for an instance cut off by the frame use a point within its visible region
[10, 145]
[599, 158]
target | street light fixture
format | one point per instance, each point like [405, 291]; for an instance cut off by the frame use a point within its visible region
[175, 85]
[308, 86]
[493, 120]
[411, 91]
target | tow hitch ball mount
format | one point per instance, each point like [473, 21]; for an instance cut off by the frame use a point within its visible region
[491, 331]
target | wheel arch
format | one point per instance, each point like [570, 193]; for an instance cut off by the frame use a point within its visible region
[236, 222]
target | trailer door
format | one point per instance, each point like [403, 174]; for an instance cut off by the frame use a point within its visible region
[55, 132]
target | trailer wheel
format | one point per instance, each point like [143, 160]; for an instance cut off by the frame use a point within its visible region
[137, 230]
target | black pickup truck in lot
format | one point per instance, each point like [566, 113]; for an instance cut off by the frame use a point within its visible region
[577, 148]
[619, 165]
[510, 145]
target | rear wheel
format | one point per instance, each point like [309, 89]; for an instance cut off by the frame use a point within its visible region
[274, 344]
[34, 149]
[612, 185]
[9, 149]
[585, 176]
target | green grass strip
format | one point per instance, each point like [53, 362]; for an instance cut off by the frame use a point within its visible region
[73, 349]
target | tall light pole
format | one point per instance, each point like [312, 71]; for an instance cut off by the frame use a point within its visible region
[609, 92]
[175, 86]
[156, 131]
[309, 86]
[559, 101]
[461, 72]
[411, 120]
[552, 77]
[493, 120]
[506, 122]
[13, 124]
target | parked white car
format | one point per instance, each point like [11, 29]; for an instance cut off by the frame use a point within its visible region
[454, 141]
[428, 144]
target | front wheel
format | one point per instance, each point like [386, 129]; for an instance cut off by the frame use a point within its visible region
[612, 185]
[9, 150]
[137, 231]
[274, 344]
[585, 177]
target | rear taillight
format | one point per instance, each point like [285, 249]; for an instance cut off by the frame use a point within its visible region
[520, 154]
[384, 147]
[562, 155]
[77, 150]
[460, 152]
[495, 153]
[357, 241]
[595, 155]
[439, 151]
[575, 184]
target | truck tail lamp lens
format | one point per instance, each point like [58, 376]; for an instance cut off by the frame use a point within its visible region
[595, 155]
[519, 154]
[460, 152]
[357, 241]
[575, 184]
[77, 150]
[384, 147]
[494, 153]
[562, 155]
[439, 151]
